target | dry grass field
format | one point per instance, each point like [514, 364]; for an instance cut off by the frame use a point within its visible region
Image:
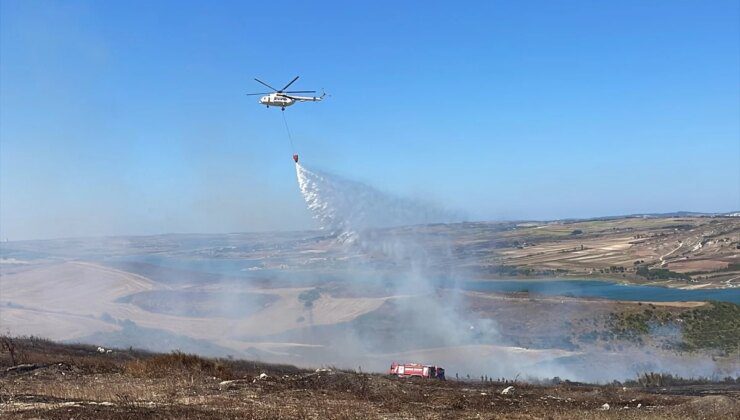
[305, 299]
[704, 249]
[53, 381]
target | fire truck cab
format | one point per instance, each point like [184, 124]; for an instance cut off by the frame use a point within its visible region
[408, 370]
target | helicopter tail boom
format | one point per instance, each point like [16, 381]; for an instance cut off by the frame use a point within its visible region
[307, 98]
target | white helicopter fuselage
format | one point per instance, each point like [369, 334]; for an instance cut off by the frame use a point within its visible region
[276, 100]
[282, 101]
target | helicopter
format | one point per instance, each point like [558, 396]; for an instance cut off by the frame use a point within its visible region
[282, 98]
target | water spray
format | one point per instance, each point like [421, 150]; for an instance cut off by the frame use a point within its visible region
[346, 207]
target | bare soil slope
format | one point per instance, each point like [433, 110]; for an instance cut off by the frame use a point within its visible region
[47, 380]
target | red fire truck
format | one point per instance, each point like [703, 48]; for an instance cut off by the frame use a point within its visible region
[408, 370]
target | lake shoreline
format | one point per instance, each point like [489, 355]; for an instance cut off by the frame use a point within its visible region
[615, 279]
[600, 288]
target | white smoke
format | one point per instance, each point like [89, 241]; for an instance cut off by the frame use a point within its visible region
[356, 213]
[346, 208]
[447, 331]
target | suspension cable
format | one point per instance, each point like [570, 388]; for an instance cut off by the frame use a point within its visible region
[287, 129]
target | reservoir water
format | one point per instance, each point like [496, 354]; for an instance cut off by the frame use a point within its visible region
[239, 268]
[603, 289]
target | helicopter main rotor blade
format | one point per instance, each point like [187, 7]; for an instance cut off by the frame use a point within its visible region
[260, 81]
[291, 82]
[253, 94]
[299, 91]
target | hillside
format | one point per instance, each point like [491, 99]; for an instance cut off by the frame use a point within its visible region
[54, 381]
[419, 293]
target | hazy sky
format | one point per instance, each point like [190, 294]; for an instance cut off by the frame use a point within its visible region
[130, 117]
